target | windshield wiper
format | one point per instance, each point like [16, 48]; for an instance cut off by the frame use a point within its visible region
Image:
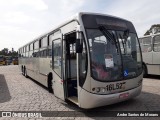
[123, 43]
[108, 35]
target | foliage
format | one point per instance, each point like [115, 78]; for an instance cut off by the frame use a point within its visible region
[6, 52]
[154, 29]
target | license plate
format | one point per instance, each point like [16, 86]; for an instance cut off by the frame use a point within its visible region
[124, 95]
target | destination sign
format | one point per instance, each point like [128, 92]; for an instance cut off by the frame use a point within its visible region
[111, 22]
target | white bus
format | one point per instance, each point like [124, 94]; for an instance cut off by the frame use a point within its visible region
[91, 60]
[150, 46]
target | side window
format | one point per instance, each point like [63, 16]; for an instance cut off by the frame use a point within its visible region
[36, 45]
[31, 46]
[156, 45]
[57, 50]
[146, 44]
[49, 52]
[44, 42]
[43, 53]
[72, 51]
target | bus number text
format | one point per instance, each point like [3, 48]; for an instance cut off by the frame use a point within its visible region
[116, 86]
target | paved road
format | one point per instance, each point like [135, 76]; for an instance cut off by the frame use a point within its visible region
[18, 93]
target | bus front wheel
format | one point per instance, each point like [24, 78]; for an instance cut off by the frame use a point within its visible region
[144, 71]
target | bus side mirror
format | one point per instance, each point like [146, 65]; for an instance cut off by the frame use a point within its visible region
[79, 42]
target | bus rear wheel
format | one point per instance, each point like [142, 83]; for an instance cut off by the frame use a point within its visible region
[22, 70]
[25, 73]
[50, 89]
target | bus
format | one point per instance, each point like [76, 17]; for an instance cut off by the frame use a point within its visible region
[2, 60]
[8, 60]
[15, 60]
[150, 46]
[82, 60]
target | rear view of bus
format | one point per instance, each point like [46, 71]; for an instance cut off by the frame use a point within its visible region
[115, 62]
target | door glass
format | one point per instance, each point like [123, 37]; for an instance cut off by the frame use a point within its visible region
[57, 50]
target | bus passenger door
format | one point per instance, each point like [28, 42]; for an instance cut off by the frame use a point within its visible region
[70, 67]
[57, 66]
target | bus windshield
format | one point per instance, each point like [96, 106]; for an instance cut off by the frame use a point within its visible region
[114, 57]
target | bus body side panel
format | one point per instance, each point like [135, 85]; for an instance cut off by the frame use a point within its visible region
[44, 70]
[37, 68]
[147, 57]
[153, 69]
[156, 58]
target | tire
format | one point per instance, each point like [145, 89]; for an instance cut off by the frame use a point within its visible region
[25, 73]
[50, 89]
[145, 71]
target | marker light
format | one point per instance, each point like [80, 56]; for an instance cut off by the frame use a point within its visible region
[97, 89]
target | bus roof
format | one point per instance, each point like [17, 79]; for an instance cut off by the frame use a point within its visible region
[72, 18]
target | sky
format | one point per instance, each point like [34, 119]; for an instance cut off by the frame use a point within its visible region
[23, 20]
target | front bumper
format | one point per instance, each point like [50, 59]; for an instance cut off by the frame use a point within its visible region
[89, 100]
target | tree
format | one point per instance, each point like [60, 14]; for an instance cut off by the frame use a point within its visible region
[153, 29]
[6, 52]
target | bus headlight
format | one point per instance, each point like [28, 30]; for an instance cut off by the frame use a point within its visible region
[103, 90]
[99, 90]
